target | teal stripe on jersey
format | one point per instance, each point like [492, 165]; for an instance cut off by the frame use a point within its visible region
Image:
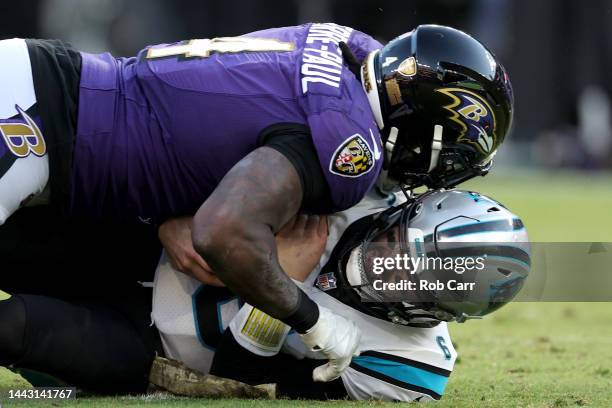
[404, 373]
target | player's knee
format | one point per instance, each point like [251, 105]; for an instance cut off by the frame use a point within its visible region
[12, 329]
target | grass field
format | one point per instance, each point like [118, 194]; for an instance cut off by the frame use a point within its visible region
[527, 354]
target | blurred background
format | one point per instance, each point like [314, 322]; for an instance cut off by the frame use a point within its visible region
[555, 51]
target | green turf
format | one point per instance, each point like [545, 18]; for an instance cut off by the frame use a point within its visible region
[556, 207]
[528, 354]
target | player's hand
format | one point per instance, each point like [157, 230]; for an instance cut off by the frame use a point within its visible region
[175, 236]
[337, 338]
[300, 244]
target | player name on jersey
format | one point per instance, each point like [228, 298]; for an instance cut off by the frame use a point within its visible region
[322, 60]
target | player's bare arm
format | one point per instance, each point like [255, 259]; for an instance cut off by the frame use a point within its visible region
[234, 230]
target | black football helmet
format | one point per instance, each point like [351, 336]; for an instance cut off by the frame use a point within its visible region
[444, 105]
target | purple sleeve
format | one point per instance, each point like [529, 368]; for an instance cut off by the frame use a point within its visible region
[349, 156]
[362, 44]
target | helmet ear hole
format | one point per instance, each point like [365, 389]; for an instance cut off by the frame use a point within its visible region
[504, 272]
[493, 209]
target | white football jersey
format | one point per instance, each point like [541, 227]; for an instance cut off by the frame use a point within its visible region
[396, 363]
[175, 317]
[24, 172]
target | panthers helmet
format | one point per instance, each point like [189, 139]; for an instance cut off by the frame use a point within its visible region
[443, 224]
[443, 103]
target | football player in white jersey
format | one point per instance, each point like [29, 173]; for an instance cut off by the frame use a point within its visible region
[406, 351]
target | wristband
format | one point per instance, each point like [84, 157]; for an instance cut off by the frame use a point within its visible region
[305, 314]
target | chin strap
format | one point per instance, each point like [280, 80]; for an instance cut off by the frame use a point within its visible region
[390, 144]
[368, 81]
[436, 147]
[386, 184]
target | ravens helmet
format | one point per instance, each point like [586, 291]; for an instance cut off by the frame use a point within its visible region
[444, 105]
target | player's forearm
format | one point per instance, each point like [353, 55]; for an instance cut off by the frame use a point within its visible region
[234, 232]
[244, 257]
[263, 284]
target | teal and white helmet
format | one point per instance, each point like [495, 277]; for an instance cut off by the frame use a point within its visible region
[445, 226]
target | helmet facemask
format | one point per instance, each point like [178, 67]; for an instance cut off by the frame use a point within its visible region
[388, 237]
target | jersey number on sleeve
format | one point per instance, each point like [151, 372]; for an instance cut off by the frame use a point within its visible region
[204, 47]
[442, 344]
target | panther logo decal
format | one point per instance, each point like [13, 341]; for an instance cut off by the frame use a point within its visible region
[474, 115]
[353, 158]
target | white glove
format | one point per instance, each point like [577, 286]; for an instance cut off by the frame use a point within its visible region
[337, 338]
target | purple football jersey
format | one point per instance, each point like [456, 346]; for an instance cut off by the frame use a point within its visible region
[157, 132]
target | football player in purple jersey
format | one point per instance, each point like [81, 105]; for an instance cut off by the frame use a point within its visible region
[245, 132]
